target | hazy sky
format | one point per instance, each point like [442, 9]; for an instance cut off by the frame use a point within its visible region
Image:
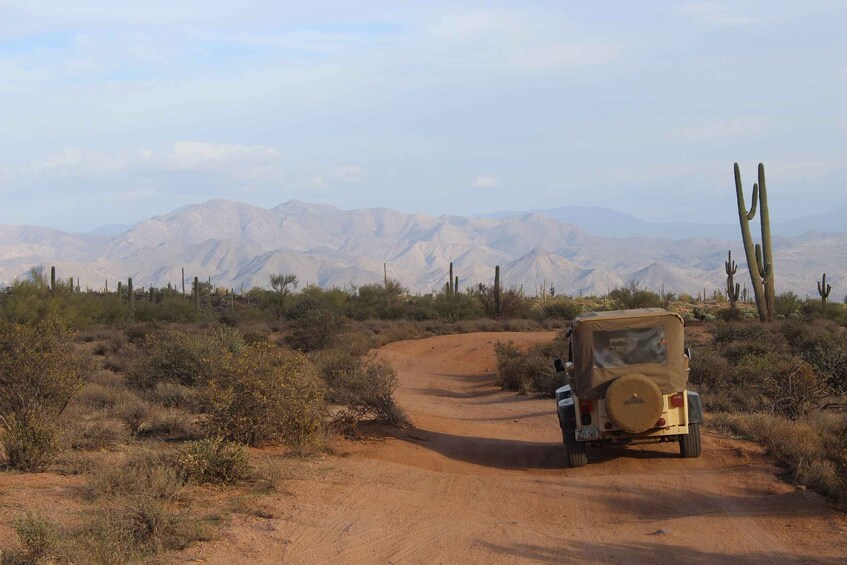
[115, 111]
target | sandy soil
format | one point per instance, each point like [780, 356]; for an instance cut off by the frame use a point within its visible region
[481, 477]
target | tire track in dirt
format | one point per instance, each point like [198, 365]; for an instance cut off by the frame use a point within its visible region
[480, 477]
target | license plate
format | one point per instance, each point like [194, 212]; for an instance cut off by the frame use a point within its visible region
[587, 433]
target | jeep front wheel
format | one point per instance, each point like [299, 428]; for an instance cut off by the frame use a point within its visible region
[689, 445]
[574, 449]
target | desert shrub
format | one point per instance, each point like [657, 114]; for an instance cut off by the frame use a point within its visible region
[562, 307]
[38, 536]
[788, 385]
[512, 372]
[822, 344]
[39, 373]
[787, 303]
[173, 395]
[133, 411]
[314, 325]
[30, 443]
[169, 423]
[265, 394]
[633, 296]
[729, 314]
[173, 356]
[214, 460]
[812, 449]
[738, 340]
[98, 396]
[531, 370]
[93, 436]
[144, 473]
[146, 526]
[376, 301]
[365, 387]
[710, 369]
[256, 337]
[728, 333]
[229, 338]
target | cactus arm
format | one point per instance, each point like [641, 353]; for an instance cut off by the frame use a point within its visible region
[767, 246]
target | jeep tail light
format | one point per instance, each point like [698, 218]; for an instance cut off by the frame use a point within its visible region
[677, 400]
[608, 425]
[660, 423]
[585, 407]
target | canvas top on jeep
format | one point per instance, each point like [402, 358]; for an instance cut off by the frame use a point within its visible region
[608, 345]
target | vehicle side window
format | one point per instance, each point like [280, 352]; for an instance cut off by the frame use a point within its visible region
[630, 347]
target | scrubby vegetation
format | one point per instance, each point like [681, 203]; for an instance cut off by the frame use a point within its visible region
[153, 397]
[781, 385]
[531, 370]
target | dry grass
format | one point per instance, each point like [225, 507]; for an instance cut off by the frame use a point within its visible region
[813, 449]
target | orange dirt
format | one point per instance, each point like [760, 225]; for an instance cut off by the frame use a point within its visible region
[481, 477]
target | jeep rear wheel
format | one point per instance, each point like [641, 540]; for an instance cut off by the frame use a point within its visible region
[689, 445]
[574, 449]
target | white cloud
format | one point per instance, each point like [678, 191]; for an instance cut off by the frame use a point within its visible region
[316, 182]
[717, 13]
[485, 181]
[193, 154]
[350, 173]
[186, 166]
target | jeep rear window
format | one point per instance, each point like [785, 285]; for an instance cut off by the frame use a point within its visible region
[630, 347]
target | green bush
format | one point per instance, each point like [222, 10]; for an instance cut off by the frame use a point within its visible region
[39, 536]
[531, 370]
[365, 388]
[788, 385]
[174, 356]
[39, 374]
[633, 296]
[314, 326]
[562, 307]
[709, 368]
[214, 460]
[29, 442]
[786, 304]
[265, 394]
[145, 473]
[823, 344]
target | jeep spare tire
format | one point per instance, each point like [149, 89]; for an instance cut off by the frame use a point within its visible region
[634, 403]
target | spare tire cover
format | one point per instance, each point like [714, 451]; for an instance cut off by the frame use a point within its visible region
[634, 403]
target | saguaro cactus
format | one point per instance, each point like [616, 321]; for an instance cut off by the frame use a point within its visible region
[183, 282]
[824, 289]
[497, 289]
[53, 279]
[733, 289]
[131, 299]
[759, 258]
[196, 294]
[450, 288]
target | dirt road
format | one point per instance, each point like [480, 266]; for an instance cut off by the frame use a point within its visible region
[481, 478]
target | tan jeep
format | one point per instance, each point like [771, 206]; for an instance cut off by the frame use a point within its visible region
[626, 383]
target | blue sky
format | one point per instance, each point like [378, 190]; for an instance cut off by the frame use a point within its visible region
[112, 112]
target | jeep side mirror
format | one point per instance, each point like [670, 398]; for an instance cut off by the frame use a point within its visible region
[688, 353]
[560, 366]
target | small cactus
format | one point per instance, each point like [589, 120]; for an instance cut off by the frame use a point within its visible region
[824, 289]
[733, 290]
[497, 289]
[131, 299]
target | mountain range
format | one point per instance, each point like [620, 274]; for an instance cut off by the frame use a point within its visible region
[239, 245]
